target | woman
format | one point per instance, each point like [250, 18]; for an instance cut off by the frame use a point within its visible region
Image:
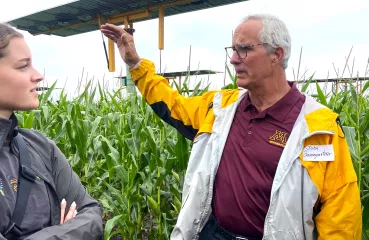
[52, 193]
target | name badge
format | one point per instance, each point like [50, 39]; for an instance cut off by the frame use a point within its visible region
[318, 153]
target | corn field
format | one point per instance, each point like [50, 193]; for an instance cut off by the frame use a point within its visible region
[134, 164]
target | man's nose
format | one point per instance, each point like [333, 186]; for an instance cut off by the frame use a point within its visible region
[235, 59]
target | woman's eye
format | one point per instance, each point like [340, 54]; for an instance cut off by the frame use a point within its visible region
[23, 67]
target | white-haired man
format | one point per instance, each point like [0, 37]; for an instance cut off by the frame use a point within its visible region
[268, 162]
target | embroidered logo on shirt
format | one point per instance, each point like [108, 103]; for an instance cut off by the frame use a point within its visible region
[14, 182]
[279, 138]
[1, 187]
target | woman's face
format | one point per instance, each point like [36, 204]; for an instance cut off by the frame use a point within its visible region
[18, 79]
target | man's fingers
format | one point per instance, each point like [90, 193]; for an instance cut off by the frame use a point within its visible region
[107, 31]
[112, 37]
[112, 28]
[114, 32]
[124, 41]
[72, 208]
[63, 205]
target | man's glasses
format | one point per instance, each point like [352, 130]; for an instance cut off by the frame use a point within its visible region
[241, 50]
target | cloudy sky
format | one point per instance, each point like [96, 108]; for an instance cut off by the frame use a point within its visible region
[326, 29]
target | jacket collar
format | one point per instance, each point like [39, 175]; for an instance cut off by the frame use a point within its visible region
[318, 117]
[8, 129]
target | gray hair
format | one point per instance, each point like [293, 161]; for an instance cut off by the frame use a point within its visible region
[275, 33]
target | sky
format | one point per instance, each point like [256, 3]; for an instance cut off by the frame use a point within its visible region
[326, 30]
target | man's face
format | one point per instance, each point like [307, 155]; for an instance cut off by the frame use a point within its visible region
[18, 79]
[253, 70]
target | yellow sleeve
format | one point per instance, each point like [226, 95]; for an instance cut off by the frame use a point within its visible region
[183, 113]
[340, 216]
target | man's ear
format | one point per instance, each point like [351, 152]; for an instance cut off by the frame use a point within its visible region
[278, 55]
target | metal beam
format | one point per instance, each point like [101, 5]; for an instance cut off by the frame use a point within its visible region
[129, 18]
[339, 80]
[66, 27]
[127, 14]
[126, 19]
[336, 81]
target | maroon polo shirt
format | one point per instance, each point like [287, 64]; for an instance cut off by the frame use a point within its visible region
[254, 145]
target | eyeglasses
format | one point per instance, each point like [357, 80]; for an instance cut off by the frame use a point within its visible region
[241, 50]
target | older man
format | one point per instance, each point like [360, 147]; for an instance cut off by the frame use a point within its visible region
[267, 162]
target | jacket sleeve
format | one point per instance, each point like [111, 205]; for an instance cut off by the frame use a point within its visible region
[183, 113]
[340, 217]
[87, 225]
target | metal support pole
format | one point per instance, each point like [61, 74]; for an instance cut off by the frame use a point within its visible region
[161, 32]
[129, 83]
[111, 53]
[161, 28]
[111, 50]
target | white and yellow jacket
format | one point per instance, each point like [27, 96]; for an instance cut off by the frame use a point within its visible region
[314, 193]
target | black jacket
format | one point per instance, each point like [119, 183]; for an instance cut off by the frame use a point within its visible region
[49, 163]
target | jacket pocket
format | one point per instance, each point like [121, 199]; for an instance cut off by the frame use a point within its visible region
[38, 214]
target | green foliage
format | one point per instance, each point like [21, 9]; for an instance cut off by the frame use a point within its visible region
[233, 84]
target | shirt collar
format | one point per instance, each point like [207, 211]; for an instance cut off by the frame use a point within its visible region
[245, 103]
[280, 109]
[8, 129]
